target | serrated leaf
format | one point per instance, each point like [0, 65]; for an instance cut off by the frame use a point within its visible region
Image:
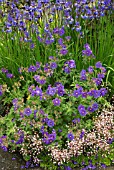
[106, 161]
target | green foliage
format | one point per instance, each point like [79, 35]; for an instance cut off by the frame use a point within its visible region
[22, 96]
[29, 131]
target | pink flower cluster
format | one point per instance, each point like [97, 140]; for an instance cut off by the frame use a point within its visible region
[96, 140]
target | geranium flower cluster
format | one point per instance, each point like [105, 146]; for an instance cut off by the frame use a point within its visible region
[87, 51]
[54, 108]
[68, 65]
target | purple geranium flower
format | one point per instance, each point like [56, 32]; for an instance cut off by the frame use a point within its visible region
[103, 69]
[50, 123]
[76, 93]
[32, 45]
[53, 65]
[90, 109]
[87, 52]
[35, 111]
[46, 141]
[51, 90]
[98, 64]
[76, 120]
[1, 93]
[84, 94]
[61, 92]
[80, 89]
[82, 134]
[45, 120]
[4, 70]
[67, 69]
[21, 139]
[4, 148]
[68, 38]
[86, 46]
[56, 30]
[27, 111]
[51, 57]
[63, 51]
[42, 81]
[82, 110]
[33, 93]
[38, 91]
[42, 129]
[81, 107]
[56, 102]
[9, 75]
[103, 91]
[13, 158]
[60, 41]
[90, 69]
[15, 101]
[70, 136]
[32, 69]
[37, 65]
[90, 166]
[68, 168]
[61, 31]
[83, 72]
[95, 106]
[100, 75]
[83, 75]
[103, 165]
[96, 93]
[45, 134]
[59, 85]
[71, 64]
[52, 136]
[110, 140]
[37, 78]
[98, 81]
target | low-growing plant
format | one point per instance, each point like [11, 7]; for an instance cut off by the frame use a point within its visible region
[54, 118]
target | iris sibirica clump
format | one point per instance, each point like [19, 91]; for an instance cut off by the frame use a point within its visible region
[42, 26]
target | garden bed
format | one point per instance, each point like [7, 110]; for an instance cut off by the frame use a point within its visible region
[56, 84]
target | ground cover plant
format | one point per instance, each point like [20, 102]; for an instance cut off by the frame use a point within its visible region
[56, 80]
